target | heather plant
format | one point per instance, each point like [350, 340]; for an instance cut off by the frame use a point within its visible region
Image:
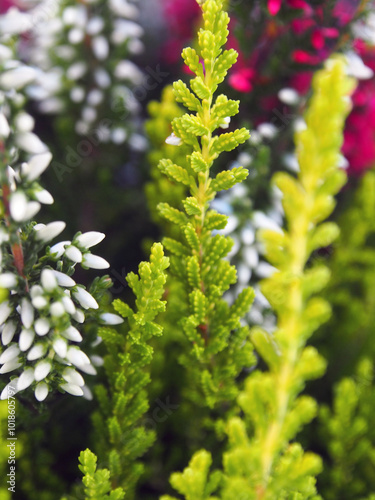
[262, 461]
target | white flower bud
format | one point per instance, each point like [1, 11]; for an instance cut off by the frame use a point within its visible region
[30, 143]
[225, 123]
[38, 164]
[10, 389]
[288, 96]
[44, 197]
[42, 326]
[8, 280]
[87, 394]
[77, 94]
[102, 78]
[8, 332]
[41, 391]
[73, 253]
[27, 313]
[95, 26]
[86, 300]
[42, 369]
[73, 377]
[79, 316]
[26, 339]
[18, 205]
[11, 365]
[88, 368]
[69, 306]
[72, 389]
[48, 280]
[63, 279]
[50, 231]
[26, 379]
[17, 78]
[32, 209]
[100, 47]
[39, 302]
[76, 71]
[36, 352]
[77, 357]
[75, 36]
[97, 360]
[60, 347]
[90, 239]
[59, 249]
[127, 70]
[173, 140]
[4, 127]
[72, 334]
[57, 309]
[24, 122]
[10, 353]
[94, 261]
[5, 311]
[111, 319]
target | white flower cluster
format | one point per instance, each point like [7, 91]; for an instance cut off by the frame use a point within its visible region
[39, 322]
[86, 42]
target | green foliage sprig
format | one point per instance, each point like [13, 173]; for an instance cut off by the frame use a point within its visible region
[219, 350]
[261, 462]
[121, 438]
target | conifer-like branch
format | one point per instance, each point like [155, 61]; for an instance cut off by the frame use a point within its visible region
[219, 350]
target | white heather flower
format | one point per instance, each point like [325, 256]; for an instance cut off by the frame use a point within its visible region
[60, 347]
[77, 357]
[86, 300]
[94, 97]
[11, 365]
[59, 248]
[123, 8]
[72, 389]
[72, 334]
[95, 26]
[111, 319]
[36, 352]
[10, 353]
[41, 391]
[39, 302]
[357, 68]
[94, 261]
[71, 376]
[73, 253]
[38, 164]
[57, 309]
[77, 94]
[27, 313]
[48, 280]
[18, 205]
[8, 332]
[97, 360]
[68, 304]
[17, 78]
[5, 53]
[42, 326]
[26, 339]
[44, 197]
[79, 316]
[10, 389]
[118, 135]
[26, 379]
[267, 130]
[87, 394]
[127, 70]
[100, 47]
[32, 209]
[102, 78]
[173, 140]
[30, 143]
[35, 291]
[225, 122]
[24, 122]
[42, 369]
[88, 368]
[90, 239]
[4, 127]
[5, 311]
[8, 280]
[64, 279]
[75, 36]
[50, 231]
[288, 96]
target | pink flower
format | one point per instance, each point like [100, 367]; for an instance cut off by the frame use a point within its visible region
[241, 79]
[274, 6]
[303, 57]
